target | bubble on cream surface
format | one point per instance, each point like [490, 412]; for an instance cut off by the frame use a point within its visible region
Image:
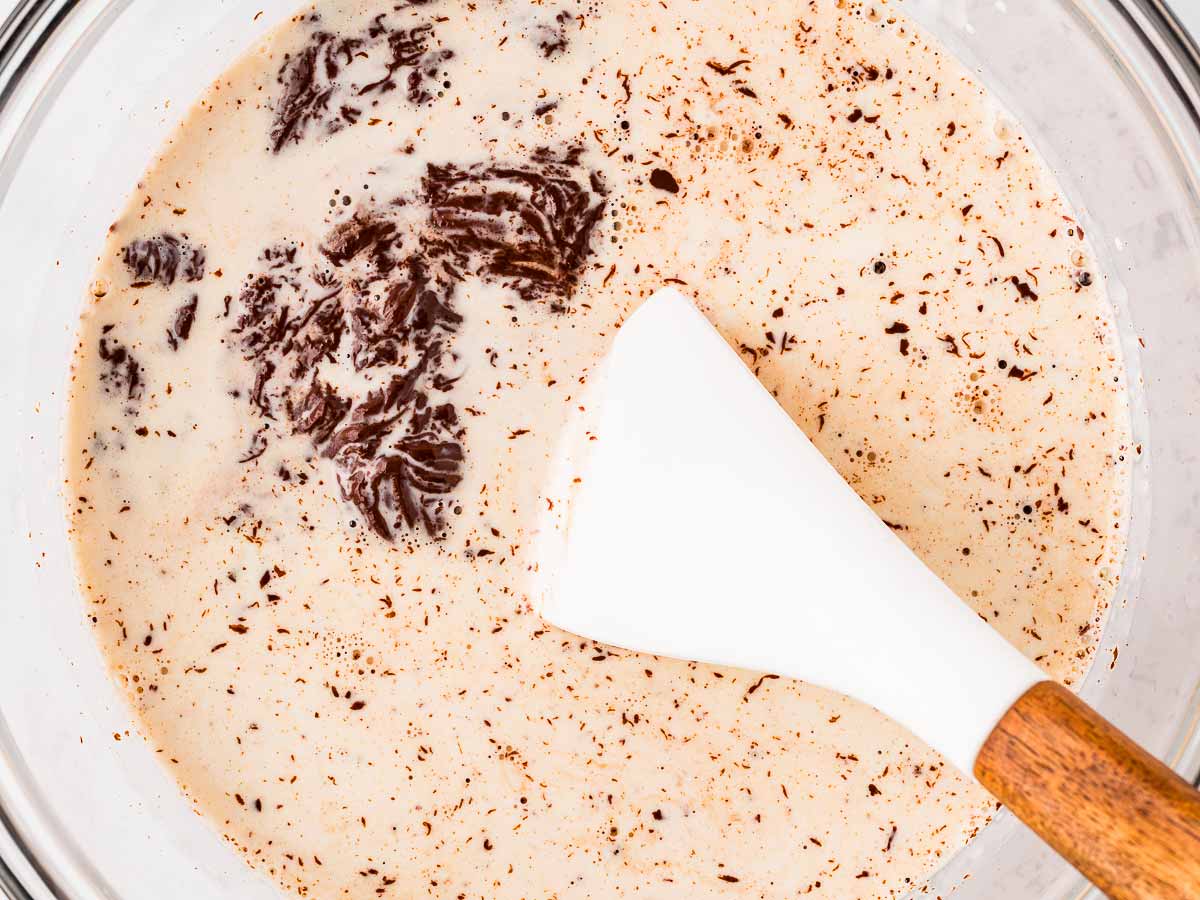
[332, 343]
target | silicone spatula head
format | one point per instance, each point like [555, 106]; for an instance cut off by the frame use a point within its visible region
[691, 518]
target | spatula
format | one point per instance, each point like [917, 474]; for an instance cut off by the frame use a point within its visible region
[689, 517]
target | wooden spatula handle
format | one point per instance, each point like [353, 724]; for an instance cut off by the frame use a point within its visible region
[1126, 821]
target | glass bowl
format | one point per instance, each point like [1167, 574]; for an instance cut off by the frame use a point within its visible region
[1109, 90]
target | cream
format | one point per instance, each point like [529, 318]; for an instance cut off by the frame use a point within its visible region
[328, 632]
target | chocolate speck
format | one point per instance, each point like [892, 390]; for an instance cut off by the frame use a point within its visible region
[664, 181]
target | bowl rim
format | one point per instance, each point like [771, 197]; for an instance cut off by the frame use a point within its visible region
[30, 27]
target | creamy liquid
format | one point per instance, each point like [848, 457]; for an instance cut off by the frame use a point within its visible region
[328, 634]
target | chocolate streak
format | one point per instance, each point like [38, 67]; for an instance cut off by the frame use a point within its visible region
[121, 374]
[380, 301]
[181, 327]
[319, 86]
[162, 259]
[552, 36]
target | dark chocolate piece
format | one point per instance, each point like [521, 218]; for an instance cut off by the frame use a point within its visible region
[378, 297]
[319, 93]
[162, 259]
[529, 226]
[121, 375]
[185, 317]
[552, 36]
[664, 181]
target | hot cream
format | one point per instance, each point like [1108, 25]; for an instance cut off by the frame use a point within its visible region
[330, 347]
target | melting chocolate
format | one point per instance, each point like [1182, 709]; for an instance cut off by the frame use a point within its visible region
[325, 87]
[529, 227]
[162, 259]
[410, 50]
[185, 317]
[121, 375]
[378, 298]
[552, 36]
[664, 181]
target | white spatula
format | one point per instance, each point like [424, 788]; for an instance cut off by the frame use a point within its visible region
[691, 518]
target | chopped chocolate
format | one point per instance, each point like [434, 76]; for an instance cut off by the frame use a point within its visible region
[410, 50]
[529, 225]
[318, 411]
[308, 86]
[350, 238]
[664, 181]
[162, 259]
[258, 446]
[1023, 289]
[379, 295]
[319, 92]
[121, 375]
[552, 37]
[185, 317]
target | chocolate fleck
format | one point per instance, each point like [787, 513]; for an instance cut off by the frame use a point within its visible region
[1024, 291]
[552, 37]
[664, 181]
